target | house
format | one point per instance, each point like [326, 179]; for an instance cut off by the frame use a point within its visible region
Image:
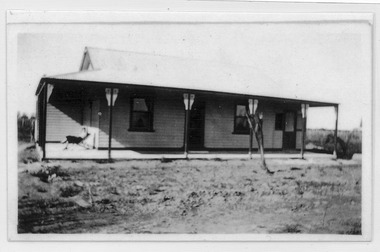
[137, 101]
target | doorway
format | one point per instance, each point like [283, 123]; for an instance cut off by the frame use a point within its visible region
[289, 133]
[196, 126]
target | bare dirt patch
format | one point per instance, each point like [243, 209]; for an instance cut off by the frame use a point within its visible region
[197, 196]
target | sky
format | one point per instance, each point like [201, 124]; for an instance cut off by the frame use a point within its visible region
[318, 61]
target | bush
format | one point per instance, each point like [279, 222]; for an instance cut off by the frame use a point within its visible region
[351, 139]
[28, 154]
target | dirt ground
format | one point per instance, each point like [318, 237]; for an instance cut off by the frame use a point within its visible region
[196, 196]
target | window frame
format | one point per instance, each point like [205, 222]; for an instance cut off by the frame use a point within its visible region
[150, 113]
[236, 131]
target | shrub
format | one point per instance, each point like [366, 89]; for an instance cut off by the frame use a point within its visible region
[28, 154]
[351, 139]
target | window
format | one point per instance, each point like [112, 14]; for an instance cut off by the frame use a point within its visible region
[141, 114]
[279, 122]
[241, 122]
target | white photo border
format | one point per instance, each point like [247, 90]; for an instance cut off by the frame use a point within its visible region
[19, 18]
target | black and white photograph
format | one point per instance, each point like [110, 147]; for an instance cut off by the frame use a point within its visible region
[196, 126]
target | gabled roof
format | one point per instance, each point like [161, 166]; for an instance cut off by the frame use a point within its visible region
[123, 67]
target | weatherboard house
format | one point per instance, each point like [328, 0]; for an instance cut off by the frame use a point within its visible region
[154, 103]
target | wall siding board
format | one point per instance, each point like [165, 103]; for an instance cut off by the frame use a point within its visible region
[219, 127]
[299, 140]
[62, 119]
[299, 131]
[168, 123]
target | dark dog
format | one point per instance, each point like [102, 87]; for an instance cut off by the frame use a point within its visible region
[76, 140]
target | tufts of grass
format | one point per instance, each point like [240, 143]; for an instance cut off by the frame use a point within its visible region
[47, 172]
[289, 229]
[70, 191]
[354, 227]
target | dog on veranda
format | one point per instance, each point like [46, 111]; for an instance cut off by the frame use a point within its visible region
[78, 140]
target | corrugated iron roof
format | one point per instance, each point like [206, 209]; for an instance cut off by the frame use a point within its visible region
[112, 66]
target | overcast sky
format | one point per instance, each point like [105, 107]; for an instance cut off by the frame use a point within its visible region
[319, 61]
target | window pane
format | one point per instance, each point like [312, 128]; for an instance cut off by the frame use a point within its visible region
[240, 110]
[140, 104]
[140, 120]
[241, 124]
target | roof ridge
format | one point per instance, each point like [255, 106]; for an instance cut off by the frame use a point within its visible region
[70, 73]
[87, 48]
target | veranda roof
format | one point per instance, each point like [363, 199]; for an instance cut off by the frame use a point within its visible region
[132, 68]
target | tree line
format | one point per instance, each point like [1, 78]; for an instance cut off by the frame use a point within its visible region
[25, 127]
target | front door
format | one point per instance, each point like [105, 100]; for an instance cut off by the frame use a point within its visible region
[196, 125]
[289, 134]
